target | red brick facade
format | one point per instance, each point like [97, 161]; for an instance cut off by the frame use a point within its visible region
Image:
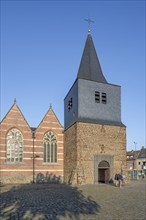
[26, 170]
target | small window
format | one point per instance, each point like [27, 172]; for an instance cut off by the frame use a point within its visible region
[103, 98]
[97, 97]
[70, 104]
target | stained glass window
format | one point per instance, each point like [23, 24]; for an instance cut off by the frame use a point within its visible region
[14, 146]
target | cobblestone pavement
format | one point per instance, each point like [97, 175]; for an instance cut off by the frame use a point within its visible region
[63, 202]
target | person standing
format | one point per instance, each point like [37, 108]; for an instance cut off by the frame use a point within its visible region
[120, 180]
[123, 179]
[116, 179]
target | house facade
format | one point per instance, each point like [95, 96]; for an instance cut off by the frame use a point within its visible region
[136, 163]
[132, 159]
[141, 161]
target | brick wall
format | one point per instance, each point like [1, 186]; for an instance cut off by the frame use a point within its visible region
[23, 172]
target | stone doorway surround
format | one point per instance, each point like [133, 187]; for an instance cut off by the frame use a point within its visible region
[103, 173]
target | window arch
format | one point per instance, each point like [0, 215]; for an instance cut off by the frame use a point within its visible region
[50, 147]
[14, 146]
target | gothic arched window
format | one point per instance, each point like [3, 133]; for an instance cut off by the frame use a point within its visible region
[50, 147]
[14, 146]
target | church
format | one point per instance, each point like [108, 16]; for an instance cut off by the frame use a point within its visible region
[89, 149]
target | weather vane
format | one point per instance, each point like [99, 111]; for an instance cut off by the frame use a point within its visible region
[89, 22]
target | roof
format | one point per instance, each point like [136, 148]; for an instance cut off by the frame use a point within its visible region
[90, 68]
[15, 106]
[132, 154]
[96, 121]
[50, 110]
[100, 121]
[138, 154]
[142, 153]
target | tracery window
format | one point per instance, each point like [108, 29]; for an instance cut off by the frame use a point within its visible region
[50, 148]
[14, 146]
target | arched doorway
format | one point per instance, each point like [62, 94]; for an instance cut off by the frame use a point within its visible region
[103, 172]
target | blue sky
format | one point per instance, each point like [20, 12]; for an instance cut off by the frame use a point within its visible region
[41, 47]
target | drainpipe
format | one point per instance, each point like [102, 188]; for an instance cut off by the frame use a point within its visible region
[33, 158]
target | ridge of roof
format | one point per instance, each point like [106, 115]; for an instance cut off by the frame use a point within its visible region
[50, 109]
[137, 154]
[90, 68]
[14, 105]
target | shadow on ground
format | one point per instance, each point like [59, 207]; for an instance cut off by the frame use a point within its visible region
[45, 201]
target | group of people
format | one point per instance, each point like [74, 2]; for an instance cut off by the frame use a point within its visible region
[119, 179]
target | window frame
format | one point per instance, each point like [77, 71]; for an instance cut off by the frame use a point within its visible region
[104, 98]
[50, 148]
[100, 97]
[97, 97]
[14, 146]
[70, 104]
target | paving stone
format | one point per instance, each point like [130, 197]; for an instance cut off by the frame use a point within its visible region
[64, 202]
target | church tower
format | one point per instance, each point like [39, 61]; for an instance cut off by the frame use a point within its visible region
[94, 136]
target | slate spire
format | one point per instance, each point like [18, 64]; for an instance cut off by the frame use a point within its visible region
[90, 68]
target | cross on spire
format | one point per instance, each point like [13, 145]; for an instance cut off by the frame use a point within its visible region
[50, 105]
[15, 101]
[89, 22]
